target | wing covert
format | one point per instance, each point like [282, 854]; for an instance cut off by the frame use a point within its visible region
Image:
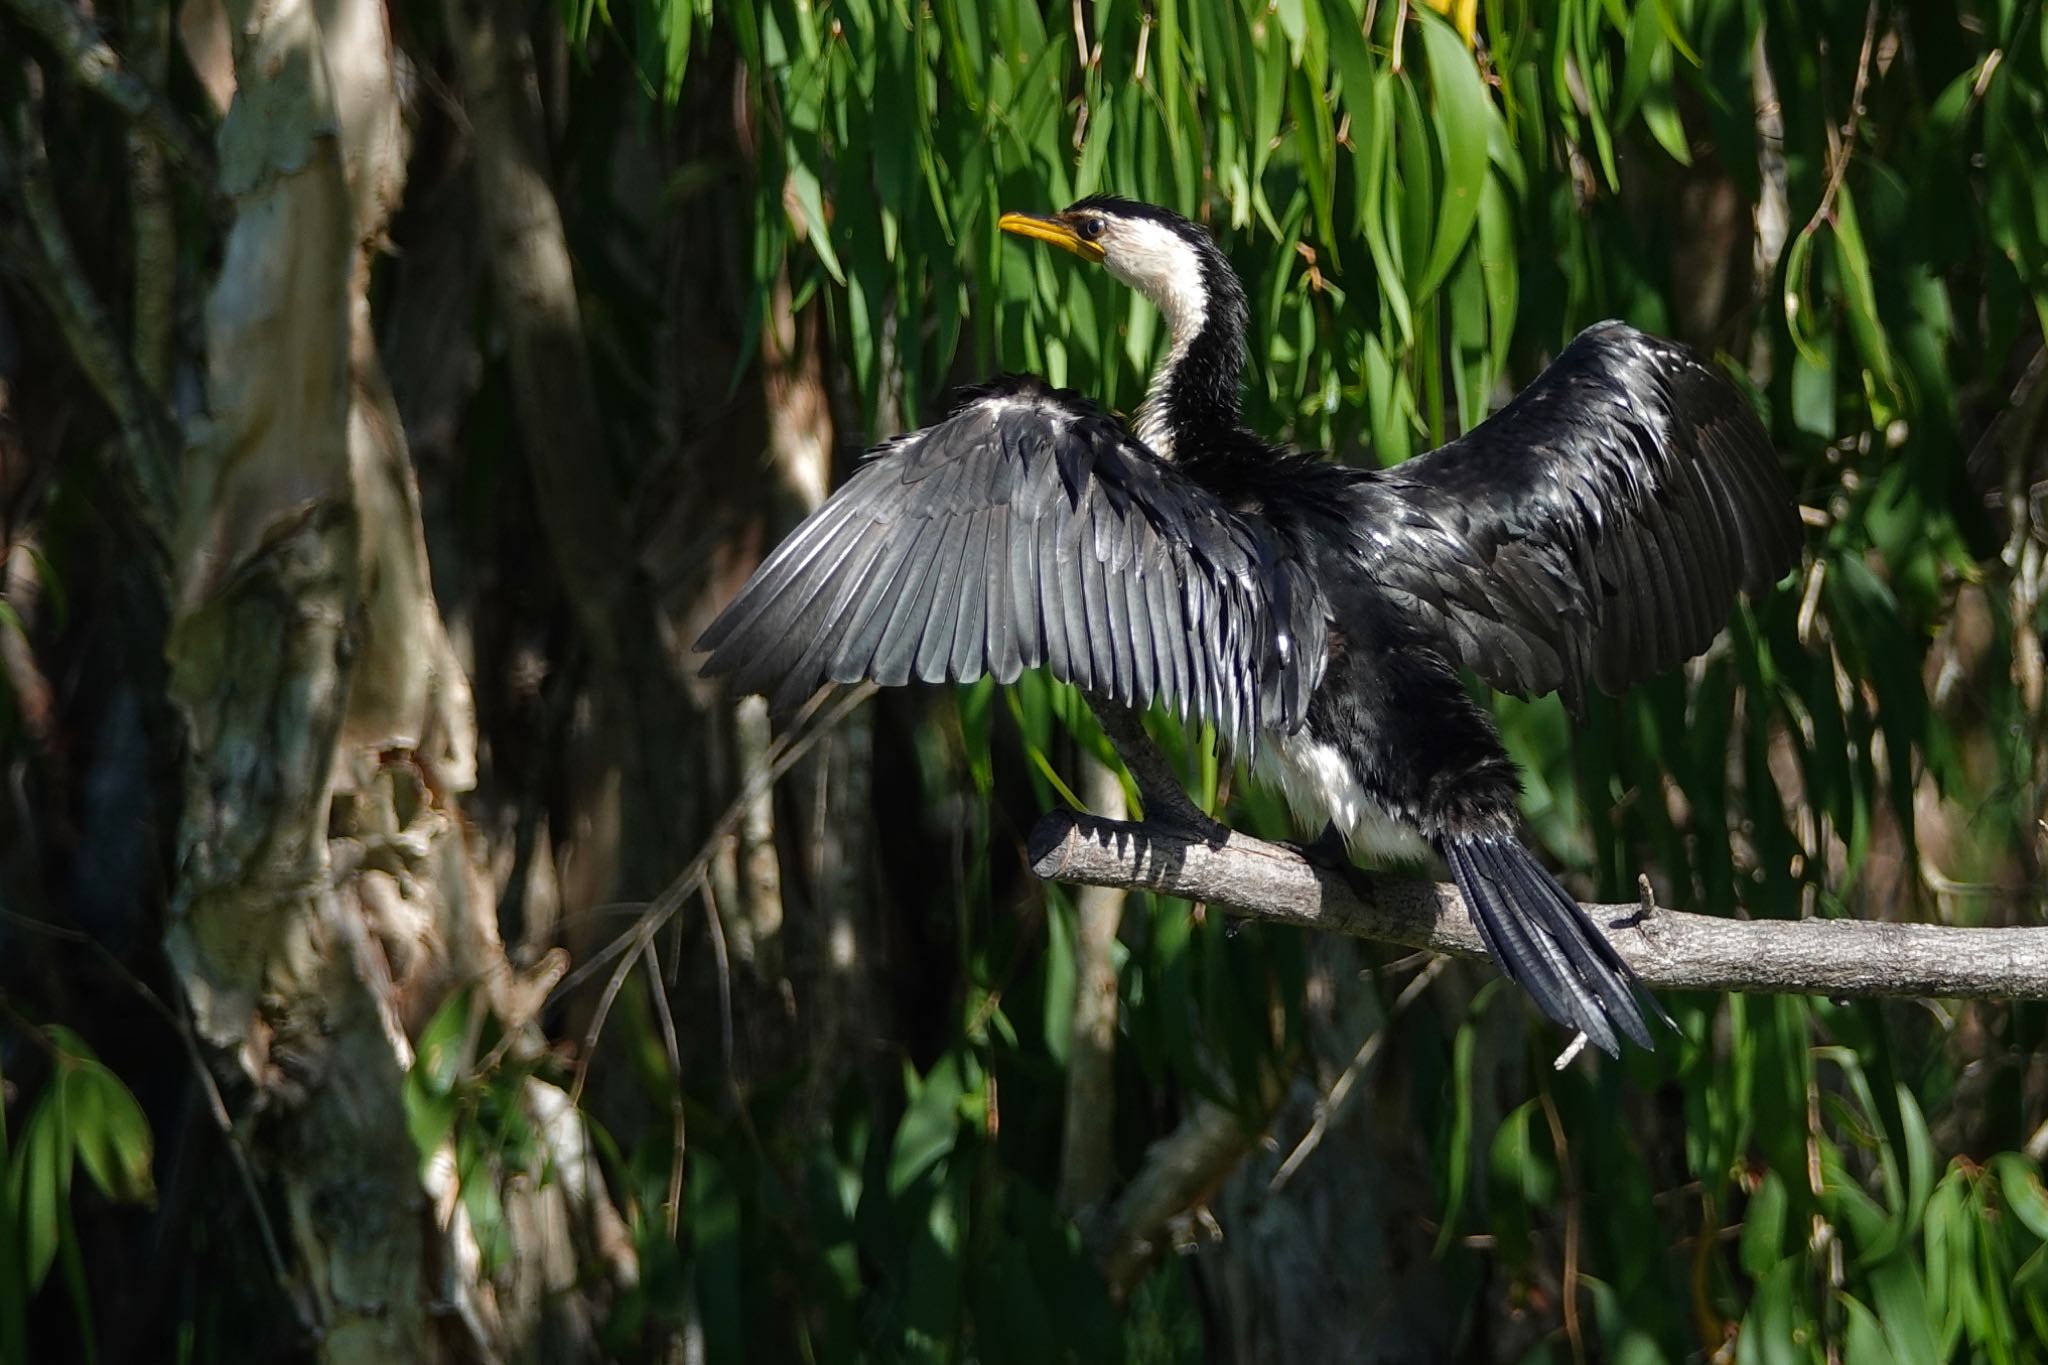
[1599, 525]
[1027, 529]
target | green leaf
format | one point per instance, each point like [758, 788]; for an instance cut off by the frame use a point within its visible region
[931, 1125]
[1900, 1298]
[716, 1229]
[1462, 113]
[1768, 1335]
[1374, 137]
[810, 199]
[1860, 293]
[1458, 1157]
[110, 1132]
[1763, 1226]
[676, 17]
[477, 1174]
[1863, 1338]
[1660, 111]
[1059, 974]
[2019, 1185]
[1514, 1181]
[39, 1186]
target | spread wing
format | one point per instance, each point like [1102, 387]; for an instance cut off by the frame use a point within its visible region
[1598, 525]
[1028, 529]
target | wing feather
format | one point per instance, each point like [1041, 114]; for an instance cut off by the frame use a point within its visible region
[1026, 529]
[908, 613]
[1600, 524]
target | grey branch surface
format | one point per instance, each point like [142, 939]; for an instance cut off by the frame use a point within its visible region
[1670, 949]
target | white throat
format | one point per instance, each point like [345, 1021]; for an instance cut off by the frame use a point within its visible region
[1161, 265]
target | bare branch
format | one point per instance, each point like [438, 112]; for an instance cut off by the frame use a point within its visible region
[59, 275]
[1181, 1171]
[96, 67]
[1671, 950]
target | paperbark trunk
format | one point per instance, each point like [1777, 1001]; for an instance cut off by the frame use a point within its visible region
[330, 898]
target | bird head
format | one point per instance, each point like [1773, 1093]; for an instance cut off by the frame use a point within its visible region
[1155, 251]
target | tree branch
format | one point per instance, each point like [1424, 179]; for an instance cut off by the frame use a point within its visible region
[59, 275]
[94, 64]
[1671, 950]
[1181, 1171]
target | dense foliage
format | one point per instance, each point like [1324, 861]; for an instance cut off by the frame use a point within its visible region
[1842, 202]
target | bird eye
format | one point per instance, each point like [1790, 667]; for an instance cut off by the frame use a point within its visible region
[1089, 228]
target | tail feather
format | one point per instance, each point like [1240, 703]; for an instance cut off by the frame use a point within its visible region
[1546, 944]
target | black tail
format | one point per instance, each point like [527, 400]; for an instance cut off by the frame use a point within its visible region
[1545, 943]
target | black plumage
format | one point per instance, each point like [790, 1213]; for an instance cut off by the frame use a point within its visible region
[1595, 528]
[1027, 529]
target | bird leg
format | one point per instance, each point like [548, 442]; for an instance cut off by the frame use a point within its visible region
[1329, 852]
[1159, 789]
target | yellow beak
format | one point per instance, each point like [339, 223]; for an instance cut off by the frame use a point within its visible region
[1050, 229]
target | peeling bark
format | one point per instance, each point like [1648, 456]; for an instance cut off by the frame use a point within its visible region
[331, 896]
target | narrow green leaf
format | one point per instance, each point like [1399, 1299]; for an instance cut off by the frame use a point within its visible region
[1498, 272]
[2019, 1185]
[1763, 1226]
[810, 198]
[40, 1185]
[110, 1131]
[1458, 1158]
[930, 1126]
[1461, 127]
[1900, 1298]
[1863, 1338]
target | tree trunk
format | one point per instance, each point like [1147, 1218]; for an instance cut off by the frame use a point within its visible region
[330, 898]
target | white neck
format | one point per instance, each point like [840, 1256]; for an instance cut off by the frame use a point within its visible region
[1159, 264]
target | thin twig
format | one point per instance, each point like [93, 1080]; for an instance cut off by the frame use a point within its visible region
[1843, 150]
[721, 961]
[612, 986]
[693, 877]
[673, 1209]
[1570, 1291]
[1332, 1104]
[781, 756]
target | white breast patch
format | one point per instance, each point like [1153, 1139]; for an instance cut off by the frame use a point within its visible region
[1320, 785]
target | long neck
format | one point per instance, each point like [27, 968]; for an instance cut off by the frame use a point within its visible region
[1195, 393]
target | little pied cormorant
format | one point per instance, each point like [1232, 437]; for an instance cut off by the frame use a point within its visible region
[1598, 526]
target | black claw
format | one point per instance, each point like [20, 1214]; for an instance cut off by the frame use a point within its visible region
[1328, 852]
[1190, 823]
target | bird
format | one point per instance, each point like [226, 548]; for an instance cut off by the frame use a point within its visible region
[1594, 531]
